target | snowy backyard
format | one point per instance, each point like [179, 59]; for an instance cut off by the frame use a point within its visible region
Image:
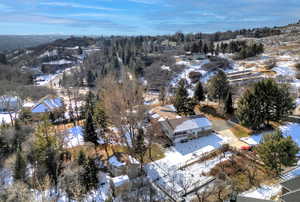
[179, 171]
[263, 192]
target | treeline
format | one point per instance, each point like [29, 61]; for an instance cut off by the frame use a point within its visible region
[242, 49]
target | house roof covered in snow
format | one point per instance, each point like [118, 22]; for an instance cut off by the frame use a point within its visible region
[47, 104]
[292, 184]
[189, 123]
[119, 159]
[120, 180]
[292, 196]
[114, 161]
[248, 199]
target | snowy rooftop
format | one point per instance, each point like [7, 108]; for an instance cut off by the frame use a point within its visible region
[189, 123]
[113, 160]
[291, 174]
[120, 180]
[47, 105]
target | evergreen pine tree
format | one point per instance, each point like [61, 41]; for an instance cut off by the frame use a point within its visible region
[205, 49]
[162, 95]
[140, 147]
[20, 167]
[228, 104]
[90, 134]
[266, 101]
[199, 92]
[90, 79]
[90, 175]
[184, 104]
[181, 96]
[276, 151]
[218, 86]
[101, 121]
[81, 159]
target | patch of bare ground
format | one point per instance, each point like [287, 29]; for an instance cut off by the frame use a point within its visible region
[243, 171]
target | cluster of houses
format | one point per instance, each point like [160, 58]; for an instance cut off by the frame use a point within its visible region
[47, 104]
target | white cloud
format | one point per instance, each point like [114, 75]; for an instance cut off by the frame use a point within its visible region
[145, 1]
[76, 5]
[5, 8]
[92, 15]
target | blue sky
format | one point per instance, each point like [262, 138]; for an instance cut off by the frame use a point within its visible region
[135, 17]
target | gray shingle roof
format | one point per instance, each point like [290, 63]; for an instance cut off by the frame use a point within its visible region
[247, 199]
[293, 196]
[292, 184]
[189, 123]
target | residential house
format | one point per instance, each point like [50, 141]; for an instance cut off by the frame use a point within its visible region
[291, 190]
[120, 184]
[121, 164]
[48, 104]
[249, 199]
[185, 128]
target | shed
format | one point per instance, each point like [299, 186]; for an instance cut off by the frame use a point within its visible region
[120, 184]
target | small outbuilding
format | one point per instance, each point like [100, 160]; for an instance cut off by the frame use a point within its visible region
[122, 164]
[120, 184]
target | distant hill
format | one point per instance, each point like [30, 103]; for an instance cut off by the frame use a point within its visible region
[12, 42]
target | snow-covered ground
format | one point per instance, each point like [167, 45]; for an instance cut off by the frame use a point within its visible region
[49, 53]
[58, 62]
[102, 194]
[171, 172]
[164, 67]
[263, 192]
[189, 68]
[74, 137]
[285, 69]
[290, 129]
[44, 79]
[6, 177]
[5, 118]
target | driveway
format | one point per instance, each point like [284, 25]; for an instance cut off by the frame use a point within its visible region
[223, 128]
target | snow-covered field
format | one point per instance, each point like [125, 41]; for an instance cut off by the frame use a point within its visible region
[189, 68]
[290, 129]
[263, 192]
[5, 118]
[172, 172]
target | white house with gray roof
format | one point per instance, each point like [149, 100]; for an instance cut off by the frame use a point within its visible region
[186, 128]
